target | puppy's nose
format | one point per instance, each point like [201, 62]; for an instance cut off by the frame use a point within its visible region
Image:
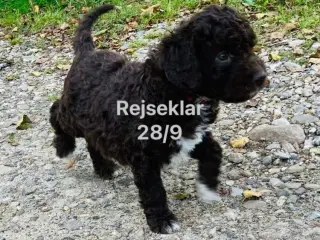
[259, 78]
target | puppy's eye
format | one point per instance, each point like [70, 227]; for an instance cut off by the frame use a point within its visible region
[223, 57]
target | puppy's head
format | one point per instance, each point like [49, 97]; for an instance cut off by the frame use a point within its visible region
[212, 55]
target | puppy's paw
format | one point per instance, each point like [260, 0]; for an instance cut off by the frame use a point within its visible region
[206, 194]
[165, 225]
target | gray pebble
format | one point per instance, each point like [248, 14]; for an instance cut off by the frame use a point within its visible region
[300, 190]
[304, 118]
[282, 192]
[312, 186]
[73, 224]
[282, 155]
[293, 199]
[293, 185]
[273, 146]
[295, 169]
[255, 204]
[276, 182]
[267, 160]
[234, 174]
[236, 157]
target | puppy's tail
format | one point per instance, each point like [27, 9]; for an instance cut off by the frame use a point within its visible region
[83, 41]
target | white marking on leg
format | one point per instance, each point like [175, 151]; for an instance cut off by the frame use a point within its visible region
[187, 145]
[205, 194]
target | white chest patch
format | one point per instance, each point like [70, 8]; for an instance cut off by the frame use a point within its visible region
[186, 146]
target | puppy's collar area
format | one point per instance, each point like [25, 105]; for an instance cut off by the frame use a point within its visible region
[197, 99]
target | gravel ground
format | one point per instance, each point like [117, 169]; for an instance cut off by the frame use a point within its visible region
[41, 198]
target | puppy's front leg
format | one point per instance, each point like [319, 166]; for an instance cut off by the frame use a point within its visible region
[147, 177]
[209, 154]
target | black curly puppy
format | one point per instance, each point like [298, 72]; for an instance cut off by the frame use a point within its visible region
[209, 57]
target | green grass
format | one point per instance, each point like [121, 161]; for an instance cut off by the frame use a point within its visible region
[154, 34]
[138, 43]
[52, 13]
[304, 12]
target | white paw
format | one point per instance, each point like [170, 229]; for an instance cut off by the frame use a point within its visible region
[173, 227]
[207, 195]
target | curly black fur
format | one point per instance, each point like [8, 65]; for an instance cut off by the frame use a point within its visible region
[210, 55]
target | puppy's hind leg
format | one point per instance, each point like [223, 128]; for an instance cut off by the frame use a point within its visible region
[63, 142]
[102, 166]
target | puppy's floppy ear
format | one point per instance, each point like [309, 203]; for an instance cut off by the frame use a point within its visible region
[180, 63]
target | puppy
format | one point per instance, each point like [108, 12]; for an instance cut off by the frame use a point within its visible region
[208, 58]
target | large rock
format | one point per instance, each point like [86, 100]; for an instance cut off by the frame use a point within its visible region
[291, 133]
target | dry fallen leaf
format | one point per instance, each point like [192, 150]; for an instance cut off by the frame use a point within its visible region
[63, 66]
[249, 194]
[36, 8]
[307, 31]
[314, 60]
[287, 28]
[181, 196]
[150, 10]
[131, 50]
[277, 35]
[74, 20]
[239, 142]
[8, 36]
[260, 15]
[274, 57]
[71, 163]
[257, 48]
[36, 74]
[24, 123]
[290, 26]
[64, 26]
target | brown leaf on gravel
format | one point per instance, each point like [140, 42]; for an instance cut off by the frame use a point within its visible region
[63, 66]
[36, 74]
[71, 163]
[74, 21]
[181, 196]
[286, 29]
[291, 26]
[274, 57]
[24, 123]
[314, 60]
[307, 31]
[249, 194]
[64, 26]
[277, 35]
[239, 142]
